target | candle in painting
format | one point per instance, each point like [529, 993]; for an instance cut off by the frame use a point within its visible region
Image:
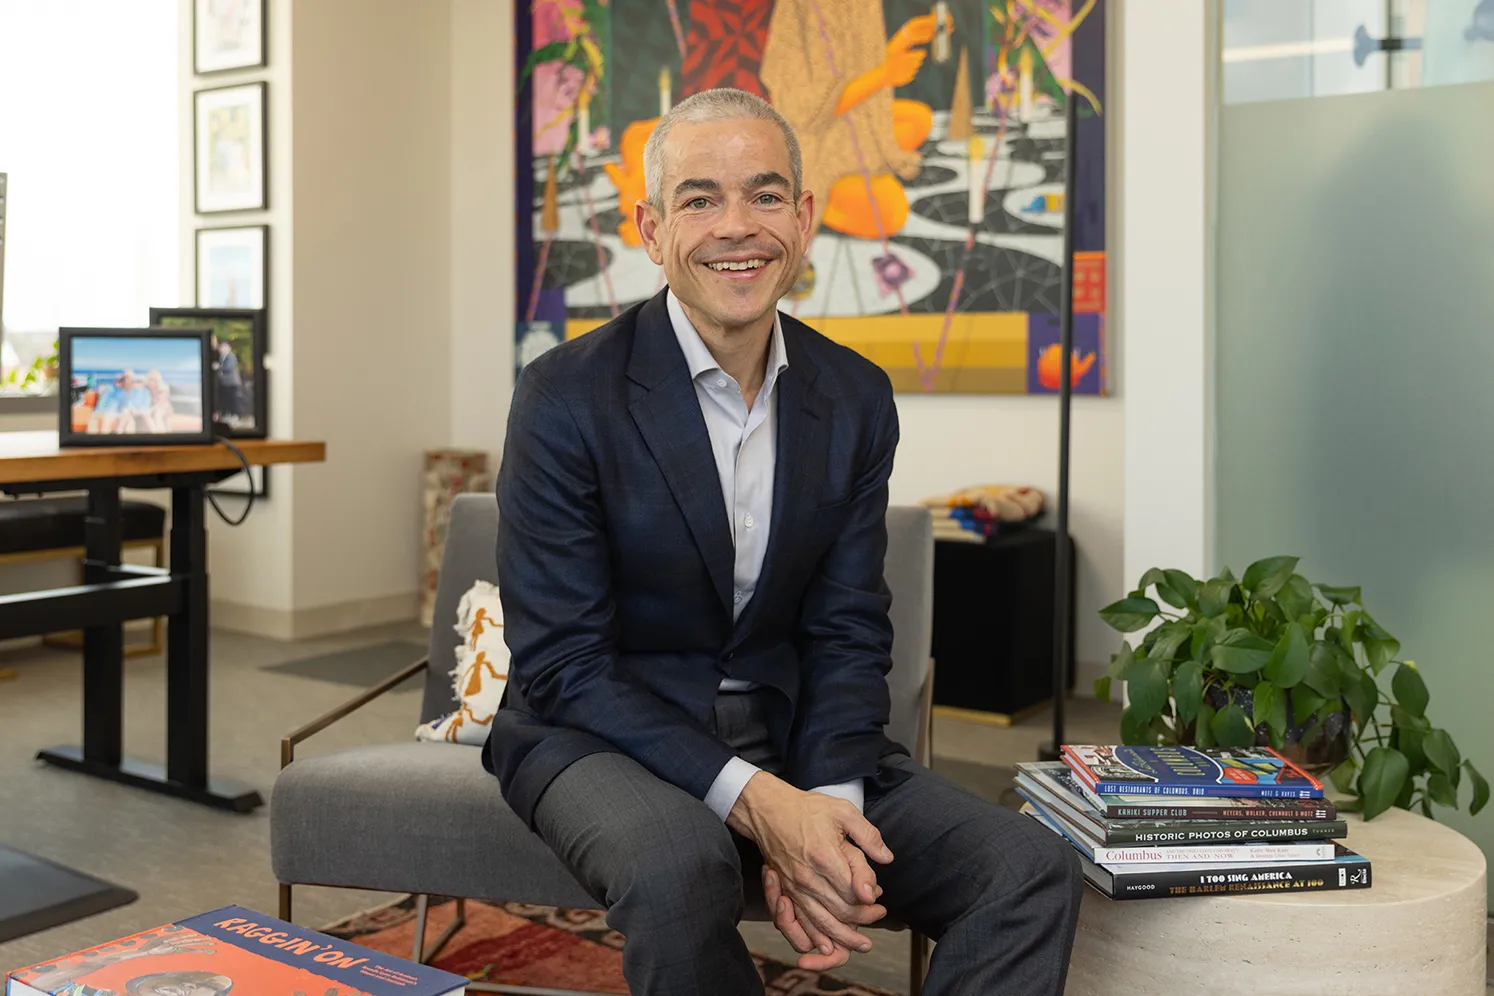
[977, 181]
[583, 123]
[943, 29]
[664, 102]
[1024, 85]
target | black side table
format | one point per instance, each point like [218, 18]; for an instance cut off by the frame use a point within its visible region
[994, 626]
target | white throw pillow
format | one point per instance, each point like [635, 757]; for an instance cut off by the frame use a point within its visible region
[480, 673]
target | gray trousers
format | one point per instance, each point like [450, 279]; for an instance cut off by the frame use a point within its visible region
[999, 893]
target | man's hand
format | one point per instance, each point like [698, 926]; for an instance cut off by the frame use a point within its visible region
[812, 957]
[803, 838]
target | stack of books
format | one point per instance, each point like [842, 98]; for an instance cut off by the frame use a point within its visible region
[1163, 822]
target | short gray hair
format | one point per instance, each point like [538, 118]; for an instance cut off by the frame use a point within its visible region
[721, 104]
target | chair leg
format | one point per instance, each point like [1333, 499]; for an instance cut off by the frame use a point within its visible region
[918, 962]
[457, 923]
[285, 902]
[422, 907]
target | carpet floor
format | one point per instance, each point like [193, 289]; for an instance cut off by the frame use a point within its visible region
[544, 947]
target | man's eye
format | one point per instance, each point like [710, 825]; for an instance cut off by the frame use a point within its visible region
[768, 198]
[696, 203]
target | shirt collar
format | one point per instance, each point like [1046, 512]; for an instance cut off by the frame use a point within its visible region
[699, 359]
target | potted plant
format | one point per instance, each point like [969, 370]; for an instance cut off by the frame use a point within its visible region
[1274, 659]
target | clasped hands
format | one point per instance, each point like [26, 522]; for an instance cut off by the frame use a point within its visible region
[816, 876]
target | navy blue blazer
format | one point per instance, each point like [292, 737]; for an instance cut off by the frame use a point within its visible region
[615, 564]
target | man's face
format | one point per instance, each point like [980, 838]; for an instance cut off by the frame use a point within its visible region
[182, 989]
[731, 235]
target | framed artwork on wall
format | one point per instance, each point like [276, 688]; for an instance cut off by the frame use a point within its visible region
[934, 137]
[227, 34]
[237, 345]
[233, 267]
[230, 164]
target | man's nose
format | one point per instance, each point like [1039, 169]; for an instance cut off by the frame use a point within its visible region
[736, 220]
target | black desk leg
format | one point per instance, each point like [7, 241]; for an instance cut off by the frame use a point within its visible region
[103, 646]
[187, 643]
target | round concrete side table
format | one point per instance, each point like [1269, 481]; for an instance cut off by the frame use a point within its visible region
[1419, 929]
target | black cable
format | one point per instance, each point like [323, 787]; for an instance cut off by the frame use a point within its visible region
[249, 504]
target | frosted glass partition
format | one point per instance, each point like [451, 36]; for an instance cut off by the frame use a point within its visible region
[1355, 370]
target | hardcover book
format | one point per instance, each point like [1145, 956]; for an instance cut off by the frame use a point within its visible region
[1347, 870]
[1244, 772]
[232, 949]
[1158, 853]
[1056, 788]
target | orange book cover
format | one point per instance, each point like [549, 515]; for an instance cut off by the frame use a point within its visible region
[232, 950]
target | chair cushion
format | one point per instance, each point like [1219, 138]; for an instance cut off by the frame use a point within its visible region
[33, 524]
[421, 818]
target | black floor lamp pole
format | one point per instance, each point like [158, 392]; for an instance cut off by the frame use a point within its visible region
[1063, 563]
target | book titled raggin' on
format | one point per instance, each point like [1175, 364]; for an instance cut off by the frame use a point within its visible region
[232, 950]
[1242, 772]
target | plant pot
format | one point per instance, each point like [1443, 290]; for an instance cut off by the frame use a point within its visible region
[1324, 749]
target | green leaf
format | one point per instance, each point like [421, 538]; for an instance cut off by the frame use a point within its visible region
[1270, 708]
[1426, 806]
[1171, 636]
[1187, 690]
[1136, 730]
[1296, 598]
[1410, 691]
[1381, 652]
[1385, 774]
[1241, 657]
[1343, 776]
[1348, 630]
[1232, 728]
[1151, 577]
[1339, 596]
[1213, 599]
[1130, 614]
[1480, 788]
[1146, 689]
[1178, 589]
[1441, 752]
[1371, 630]
[1409, 720]
[1322, 669]
[1206, 632]
[1363, 696]
[1408, 742]
[1203, 735]
[1121, 662]
[1288, 661]
[1441, 790]
[1305, 703]
[1265, 578]
[1102, 688]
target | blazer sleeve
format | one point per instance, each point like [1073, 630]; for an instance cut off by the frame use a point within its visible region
[844, 634]
[559, 614]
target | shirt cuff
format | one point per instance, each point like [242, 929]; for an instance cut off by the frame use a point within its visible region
[728, 785]
[853, 792]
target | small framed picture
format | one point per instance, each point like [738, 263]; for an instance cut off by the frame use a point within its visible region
[227, 34]
[229, 138]
[132, 387]
[233, 267]
[237, 346]
[256, 484]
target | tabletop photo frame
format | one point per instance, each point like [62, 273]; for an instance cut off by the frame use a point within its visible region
[237, 345]
[233, 267]
[231, 165]
[227, 34]
[133, 387]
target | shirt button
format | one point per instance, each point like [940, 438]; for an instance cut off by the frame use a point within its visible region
[720, 381]
[749, 521]
[737, 598]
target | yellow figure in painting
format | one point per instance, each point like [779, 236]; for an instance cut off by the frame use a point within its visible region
[833, 79]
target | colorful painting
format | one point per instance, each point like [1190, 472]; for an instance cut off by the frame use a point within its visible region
[933, 135]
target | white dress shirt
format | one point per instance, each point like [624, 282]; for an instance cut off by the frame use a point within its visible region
[744, 442]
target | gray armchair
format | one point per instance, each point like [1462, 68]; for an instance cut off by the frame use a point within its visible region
[432, 821]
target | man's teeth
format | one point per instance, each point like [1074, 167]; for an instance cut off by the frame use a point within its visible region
[746, 264]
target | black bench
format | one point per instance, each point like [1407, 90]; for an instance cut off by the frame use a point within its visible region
[34, 529]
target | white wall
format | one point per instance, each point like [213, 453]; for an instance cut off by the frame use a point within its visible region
[372, 307]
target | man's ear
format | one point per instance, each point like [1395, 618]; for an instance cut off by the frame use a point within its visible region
[806, 216]
[648, 222]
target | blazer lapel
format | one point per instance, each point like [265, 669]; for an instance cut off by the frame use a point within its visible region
[669, 418]
[798, 472]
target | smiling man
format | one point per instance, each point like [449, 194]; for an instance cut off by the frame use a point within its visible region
[692, 508]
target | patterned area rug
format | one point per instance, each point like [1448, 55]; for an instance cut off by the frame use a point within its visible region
[544, 947]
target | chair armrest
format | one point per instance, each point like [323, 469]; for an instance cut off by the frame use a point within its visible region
[924, 749]
[289, 741]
